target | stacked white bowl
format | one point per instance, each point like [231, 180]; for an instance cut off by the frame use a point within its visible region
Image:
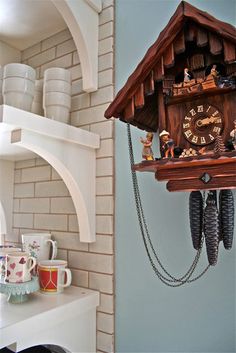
[57, 94]
[1, 98]
[18, 85]
[37, 105]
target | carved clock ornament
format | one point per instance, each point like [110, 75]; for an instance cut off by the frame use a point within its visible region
[202, 124]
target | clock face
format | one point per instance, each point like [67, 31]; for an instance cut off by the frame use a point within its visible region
[202, 124]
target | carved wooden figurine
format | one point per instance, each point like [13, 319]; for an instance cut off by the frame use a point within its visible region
[214, 72]
[187, 76]
[147, 152]
[233, 135]
[167, 147]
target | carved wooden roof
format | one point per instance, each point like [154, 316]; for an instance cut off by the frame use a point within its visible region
[187, 24]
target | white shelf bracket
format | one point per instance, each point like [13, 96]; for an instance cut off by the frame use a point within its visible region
[76, 166]
[81, 17]
[71, 152]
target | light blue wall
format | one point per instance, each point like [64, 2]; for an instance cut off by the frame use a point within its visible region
[151, 317]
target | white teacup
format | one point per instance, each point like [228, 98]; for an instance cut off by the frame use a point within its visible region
[18, 267]
[38, 245]
[57, 86]
[37, 105]
[57, 106]
[19, 70]
[56, 98]
[57, 73]
[54, 276]
[19, 100]
[18, 84]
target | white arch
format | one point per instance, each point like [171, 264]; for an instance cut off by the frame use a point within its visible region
[76, 166]
[81, 18]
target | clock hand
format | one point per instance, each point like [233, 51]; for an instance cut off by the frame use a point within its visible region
[207, 121]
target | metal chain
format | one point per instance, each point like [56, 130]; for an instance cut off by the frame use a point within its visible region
[170, 281]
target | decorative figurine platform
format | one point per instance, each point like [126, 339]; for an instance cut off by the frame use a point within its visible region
[18, 292]
[206, 172]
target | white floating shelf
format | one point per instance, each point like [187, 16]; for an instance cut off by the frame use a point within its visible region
[71, 152]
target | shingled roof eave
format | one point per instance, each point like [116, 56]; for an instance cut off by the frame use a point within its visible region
[183, 13]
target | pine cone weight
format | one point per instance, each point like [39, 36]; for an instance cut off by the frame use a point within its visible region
[211, 229]
[226, 205]
[196, 217]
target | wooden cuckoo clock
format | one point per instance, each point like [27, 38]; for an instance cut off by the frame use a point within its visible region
[185, 87]
[185, 90]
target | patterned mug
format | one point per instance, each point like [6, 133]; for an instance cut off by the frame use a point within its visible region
[18, 267]
[54, 276]
[39, 245]
[4, 250]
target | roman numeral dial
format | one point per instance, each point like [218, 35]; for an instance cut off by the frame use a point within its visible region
[202, 124]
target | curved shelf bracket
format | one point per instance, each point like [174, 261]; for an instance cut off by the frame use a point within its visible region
[82, 20]
[71, 151]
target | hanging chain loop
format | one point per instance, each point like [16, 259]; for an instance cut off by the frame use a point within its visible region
[166, 278]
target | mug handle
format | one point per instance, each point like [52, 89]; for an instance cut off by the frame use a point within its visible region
[34, 261]
[68, 277]
[54, 248]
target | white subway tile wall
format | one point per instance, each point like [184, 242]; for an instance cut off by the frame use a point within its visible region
[88, 116]
[51, 188]
[80, 278]
[105, 342]
[105, 78]
[104, 186]
[104, 129]
[106, 303]
[35, 174]
[105, 61]
[56, 39]
[106, 30]
[40, 59]
[101, 282]
[42, 202]
[34, 50]
[75, 72]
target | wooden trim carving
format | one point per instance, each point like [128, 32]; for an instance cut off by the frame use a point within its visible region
[202, 37]
[179, 43]
[215, 44]
[161, 108]
[197, 61]
[169, 56]
[186, 174]
[139, 97]
[196, 169]
[196, 184]
[149, 85]
[191, 32]
[229, 51]
[129, 110]
[159, 71]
